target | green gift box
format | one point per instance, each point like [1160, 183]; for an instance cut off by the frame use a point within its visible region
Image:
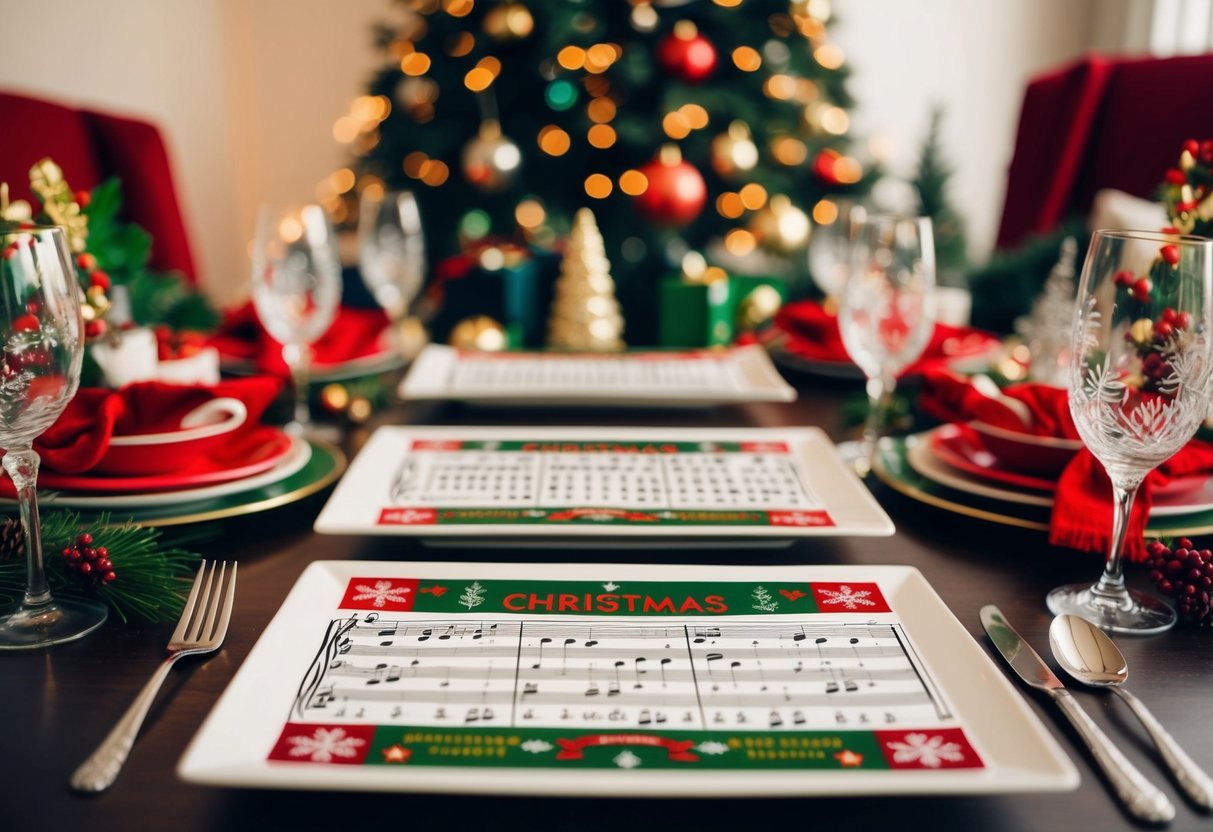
[705, 314]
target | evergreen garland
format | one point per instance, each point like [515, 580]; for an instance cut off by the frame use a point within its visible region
[152, 581]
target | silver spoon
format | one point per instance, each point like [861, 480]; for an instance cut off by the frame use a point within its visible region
[1087, 654]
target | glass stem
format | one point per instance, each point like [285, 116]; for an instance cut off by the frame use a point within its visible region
[22, 465]
[1112, 581]
[297, 358]
[880, 393]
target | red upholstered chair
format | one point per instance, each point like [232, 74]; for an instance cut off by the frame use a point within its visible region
[1101, 123]
[90, 147]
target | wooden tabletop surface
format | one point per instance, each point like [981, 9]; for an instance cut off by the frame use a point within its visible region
[57, 704]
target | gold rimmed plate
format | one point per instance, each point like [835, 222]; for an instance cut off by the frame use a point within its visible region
[893, 467]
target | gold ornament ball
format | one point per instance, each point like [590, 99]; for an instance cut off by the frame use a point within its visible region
[334, 398]
[490, 160]
[781, 227]
[508, 22]
[758, 307]
[480, 333]
[734, 152]
[360, 410]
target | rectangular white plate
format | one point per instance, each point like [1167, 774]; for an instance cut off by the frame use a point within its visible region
[524, 484]
[649, 379]
[535, 679]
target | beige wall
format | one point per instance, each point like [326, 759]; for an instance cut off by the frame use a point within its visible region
[246, 91]
[974, 58]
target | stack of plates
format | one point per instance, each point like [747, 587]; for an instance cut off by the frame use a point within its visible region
[260, 470]
[950, 467]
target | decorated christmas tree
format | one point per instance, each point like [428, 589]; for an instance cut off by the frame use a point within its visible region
[716, 126]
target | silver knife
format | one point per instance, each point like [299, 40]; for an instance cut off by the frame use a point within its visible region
[1140, 797]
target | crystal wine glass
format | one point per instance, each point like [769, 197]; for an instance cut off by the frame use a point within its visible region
[1139, 385]
[830, 248]
[391, 254]
[886, 312]
[40, 357]
[296, 289]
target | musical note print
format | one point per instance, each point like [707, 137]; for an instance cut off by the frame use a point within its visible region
[549, 673]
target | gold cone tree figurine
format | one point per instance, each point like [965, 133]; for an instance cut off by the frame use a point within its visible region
[585, 314]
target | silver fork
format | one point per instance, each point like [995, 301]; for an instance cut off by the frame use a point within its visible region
[201, 629]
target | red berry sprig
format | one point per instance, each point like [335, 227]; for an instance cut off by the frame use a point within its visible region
[1185, 574]
[92, 563]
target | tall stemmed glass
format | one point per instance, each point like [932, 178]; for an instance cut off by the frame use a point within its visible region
[886, 312]
[40, 357]
[296, 289]
[391, 254]
[1139, 385]
[830, 249]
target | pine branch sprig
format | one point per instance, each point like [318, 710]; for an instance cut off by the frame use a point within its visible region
[152, 581]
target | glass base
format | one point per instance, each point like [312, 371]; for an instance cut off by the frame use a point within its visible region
[55, 622]
[1129, 611]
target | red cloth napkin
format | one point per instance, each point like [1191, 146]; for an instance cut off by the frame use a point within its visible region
[1082, 504]
[1082, 507]
[80, 437]
[951, 397]
[355, 333]
[806, 330]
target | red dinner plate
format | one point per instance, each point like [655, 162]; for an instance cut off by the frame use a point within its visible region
[245, 455]
[959, 446]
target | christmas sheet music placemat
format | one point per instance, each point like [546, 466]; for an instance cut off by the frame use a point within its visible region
[601, 484]
[621, 680]
[647, 378]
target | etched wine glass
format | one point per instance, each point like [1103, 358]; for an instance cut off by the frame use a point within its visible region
[391, 254]
[296, 289]
[886, 313]
[1139, 386]
[40, 357]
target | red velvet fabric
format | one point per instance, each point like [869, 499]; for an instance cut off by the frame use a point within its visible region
[1101, 123]
[90, 147]
[1055, 124]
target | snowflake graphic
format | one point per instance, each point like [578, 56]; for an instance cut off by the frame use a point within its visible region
[712, 747]
[382, 592]
[847, 597]
[610, 586]
[537, 746]
[626, 759]
[324, 745]
[924, 750]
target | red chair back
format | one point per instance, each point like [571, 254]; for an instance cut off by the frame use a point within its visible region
[1101, 123]
[90, 147]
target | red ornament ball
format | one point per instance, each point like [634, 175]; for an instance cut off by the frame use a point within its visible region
[824, 166]
[676, 192]
[686, 54]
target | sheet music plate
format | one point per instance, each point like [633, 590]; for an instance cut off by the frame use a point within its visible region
[641, 680]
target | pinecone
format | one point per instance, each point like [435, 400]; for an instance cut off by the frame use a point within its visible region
[12, 540]
[1186, 574]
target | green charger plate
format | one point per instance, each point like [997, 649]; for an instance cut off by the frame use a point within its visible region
[325, 465]
[894, 470]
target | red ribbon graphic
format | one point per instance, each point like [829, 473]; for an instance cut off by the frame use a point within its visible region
[679, 750]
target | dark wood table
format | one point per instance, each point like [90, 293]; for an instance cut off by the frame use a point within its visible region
[56, 704]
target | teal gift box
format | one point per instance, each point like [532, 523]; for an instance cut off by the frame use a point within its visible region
[516, 293]
[705, 314]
